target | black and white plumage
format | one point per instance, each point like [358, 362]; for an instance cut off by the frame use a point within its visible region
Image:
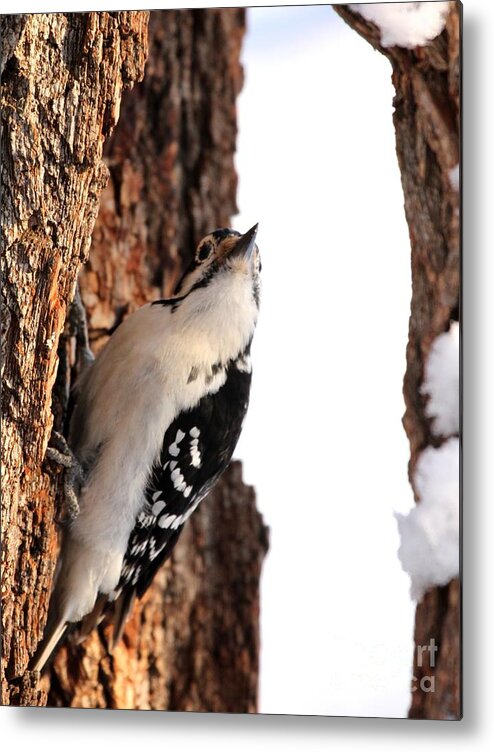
[157, 418]
[197, 448]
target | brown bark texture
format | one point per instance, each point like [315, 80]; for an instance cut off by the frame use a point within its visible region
[62, 80]
[427, 126]
[192, 643]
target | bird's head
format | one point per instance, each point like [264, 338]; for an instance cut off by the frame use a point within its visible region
[219, 259]
[217, 298]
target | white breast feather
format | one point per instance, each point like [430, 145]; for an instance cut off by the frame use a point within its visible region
[133, 391]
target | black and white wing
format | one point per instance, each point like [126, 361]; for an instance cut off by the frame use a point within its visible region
[197, 448]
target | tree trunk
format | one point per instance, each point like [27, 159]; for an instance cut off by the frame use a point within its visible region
[427, 125]
[192, 643]
[62, 81]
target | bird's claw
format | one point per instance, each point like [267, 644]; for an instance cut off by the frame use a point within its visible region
[73, 475]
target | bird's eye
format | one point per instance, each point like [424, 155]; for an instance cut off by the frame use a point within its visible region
[204, 251]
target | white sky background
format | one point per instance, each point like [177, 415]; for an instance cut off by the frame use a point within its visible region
[323, 442]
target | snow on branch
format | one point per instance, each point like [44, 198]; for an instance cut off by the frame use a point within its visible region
[442, 383]
[429, 549]
[405, 24]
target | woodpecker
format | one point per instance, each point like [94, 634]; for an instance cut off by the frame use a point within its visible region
[157, 417]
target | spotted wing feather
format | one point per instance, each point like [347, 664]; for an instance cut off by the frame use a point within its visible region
[197, 448]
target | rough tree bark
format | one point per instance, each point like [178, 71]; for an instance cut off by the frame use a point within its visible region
[192, 643]
[427, 125]
[62, 81]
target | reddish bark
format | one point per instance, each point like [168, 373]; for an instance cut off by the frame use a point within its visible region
[52, 177]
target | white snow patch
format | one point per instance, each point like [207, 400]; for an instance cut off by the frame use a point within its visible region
[442, 382]
[405, 24]
[429, 549]
[454, 178]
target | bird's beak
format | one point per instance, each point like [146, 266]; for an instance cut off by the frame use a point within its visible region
[245, 245]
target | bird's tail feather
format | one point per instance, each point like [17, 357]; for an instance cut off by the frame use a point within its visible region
[123, 606]
[53, 635]
[93, 618]
[56, 627]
